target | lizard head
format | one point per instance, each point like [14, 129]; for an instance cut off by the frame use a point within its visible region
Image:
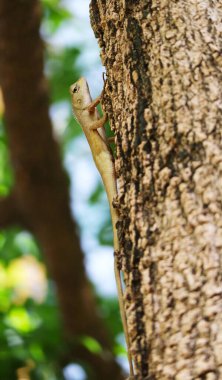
[80, 93]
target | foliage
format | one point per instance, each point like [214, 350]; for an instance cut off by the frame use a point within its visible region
[29, 320]
[6, 175]
[30, 328]
[54, 15]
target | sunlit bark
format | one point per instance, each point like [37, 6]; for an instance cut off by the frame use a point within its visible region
[163, 99]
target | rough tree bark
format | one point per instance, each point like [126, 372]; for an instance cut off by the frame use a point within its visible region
[163, 98]
[40, 200]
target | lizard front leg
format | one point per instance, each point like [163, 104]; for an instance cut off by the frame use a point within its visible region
[91, 107]
[99, 123]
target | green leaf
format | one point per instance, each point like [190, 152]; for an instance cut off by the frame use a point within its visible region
[5, 299]
[105, 235]
[14, 243]
[72, 131]
[54, 16]
[62, 72]
[26, 244]
[36, 352]
[96, 194]
[119, 350]
[6, 174]
[91, 344]
[22, 321]
[109, 308]
[50, 3]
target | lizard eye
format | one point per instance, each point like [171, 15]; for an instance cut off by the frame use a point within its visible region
[76, 89]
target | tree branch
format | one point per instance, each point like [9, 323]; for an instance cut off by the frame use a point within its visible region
[9, 213]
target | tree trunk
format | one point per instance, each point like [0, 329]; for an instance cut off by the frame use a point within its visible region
[163, 98]
[40, 199]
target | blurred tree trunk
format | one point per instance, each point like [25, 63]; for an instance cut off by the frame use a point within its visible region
[40, 200]
[163, 99]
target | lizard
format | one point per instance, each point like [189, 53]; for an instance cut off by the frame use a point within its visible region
[87, 115]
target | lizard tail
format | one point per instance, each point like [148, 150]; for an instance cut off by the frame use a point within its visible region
[111, 191]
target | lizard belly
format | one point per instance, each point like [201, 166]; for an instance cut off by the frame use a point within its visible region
[104, 163]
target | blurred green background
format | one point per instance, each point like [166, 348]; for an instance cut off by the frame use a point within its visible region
[30, 328]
